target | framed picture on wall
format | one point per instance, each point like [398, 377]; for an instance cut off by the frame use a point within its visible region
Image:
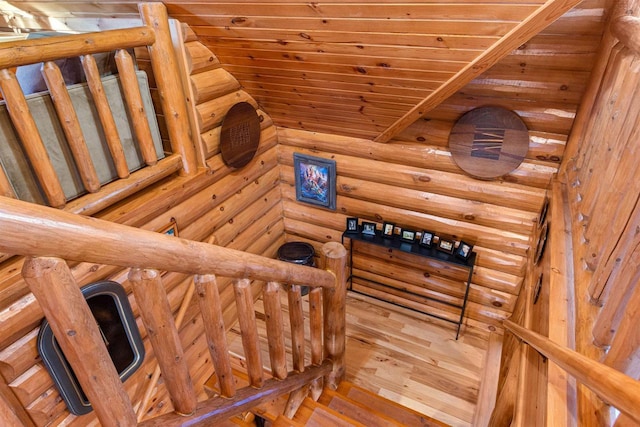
[171, 229]
[315, 180]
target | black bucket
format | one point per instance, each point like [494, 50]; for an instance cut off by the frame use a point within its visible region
[297, 253]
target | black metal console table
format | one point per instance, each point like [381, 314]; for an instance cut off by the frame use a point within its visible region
[416, 249]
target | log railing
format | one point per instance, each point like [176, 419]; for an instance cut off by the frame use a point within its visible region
[56, 236]
[614, 387]
[155, 36]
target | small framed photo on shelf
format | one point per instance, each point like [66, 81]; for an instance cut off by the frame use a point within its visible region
[464, 250]
[446, 246]
[368, 228]
[387, 229]
[427, 239]
[408, 236]
[352, 225]
[397, 231]
[418, 236]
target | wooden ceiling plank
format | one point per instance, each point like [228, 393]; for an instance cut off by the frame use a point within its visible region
[481, 11]
[280, 35]
[544, 16]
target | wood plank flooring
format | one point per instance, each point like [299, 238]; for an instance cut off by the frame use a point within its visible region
[407, 357]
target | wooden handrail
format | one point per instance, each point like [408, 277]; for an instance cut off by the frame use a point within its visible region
[53, 232]
[32, 51]
[614, 387]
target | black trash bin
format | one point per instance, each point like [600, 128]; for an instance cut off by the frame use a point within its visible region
[298, 253]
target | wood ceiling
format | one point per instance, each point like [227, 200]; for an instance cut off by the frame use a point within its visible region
[371, 68]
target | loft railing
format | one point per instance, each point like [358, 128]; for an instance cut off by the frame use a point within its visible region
[154, 36]
[613, 387]
[49, 237]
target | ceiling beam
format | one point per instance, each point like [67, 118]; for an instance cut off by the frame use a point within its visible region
[532, 25]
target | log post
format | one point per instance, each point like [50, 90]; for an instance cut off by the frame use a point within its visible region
[107, 121]
[70, 126]
[6, 189]
[315, 336]
[163, 334]
[627, 29]
[275, 330]
[334, 308]
[166, 74]
[249, 331]
[211, 309]
[624, 353]
[133, 99]
[31, 141]
[77, 333]
[296, 318]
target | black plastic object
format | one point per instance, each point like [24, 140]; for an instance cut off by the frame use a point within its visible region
[110, 307]
[297, 253]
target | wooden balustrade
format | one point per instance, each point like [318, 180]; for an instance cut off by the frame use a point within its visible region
[296, 319]
[249, 332]
[211, 309]
[158, 320]
[167, 76]
[32, 142]
[334, 309]
[135, 105]
[53, 286]
[70, 126]
[156, 38]
[105, 115]
[275, 330]
[612, 386]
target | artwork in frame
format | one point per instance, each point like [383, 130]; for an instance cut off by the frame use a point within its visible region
[408, 236]
[446, 246]
[464, 250]
[170, 229]
[352, 225]
[369, 228]
[315, 180]
[427, 239]
[387, 229]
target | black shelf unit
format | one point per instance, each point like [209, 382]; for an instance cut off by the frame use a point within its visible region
[416, 249]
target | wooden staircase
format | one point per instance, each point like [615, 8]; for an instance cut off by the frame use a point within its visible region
[349, 405]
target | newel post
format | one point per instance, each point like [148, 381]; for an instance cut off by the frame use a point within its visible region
[334, 309]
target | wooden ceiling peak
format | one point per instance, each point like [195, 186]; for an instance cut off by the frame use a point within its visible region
[528, 28]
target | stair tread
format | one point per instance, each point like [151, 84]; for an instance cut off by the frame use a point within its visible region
[400, 414]
[283, 421]
[268, 411]
[355, 410]
[314, 414]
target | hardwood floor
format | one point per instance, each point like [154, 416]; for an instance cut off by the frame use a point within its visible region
[414, 360]
[407, 357]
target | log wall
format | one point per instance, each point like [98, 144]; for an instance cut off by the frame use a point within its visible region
[602, 180]
[419, 187]
[240, 207]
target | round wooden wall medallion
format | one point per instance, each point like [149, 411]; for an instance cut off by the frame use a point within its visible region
[240, 135]
[489, 142]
